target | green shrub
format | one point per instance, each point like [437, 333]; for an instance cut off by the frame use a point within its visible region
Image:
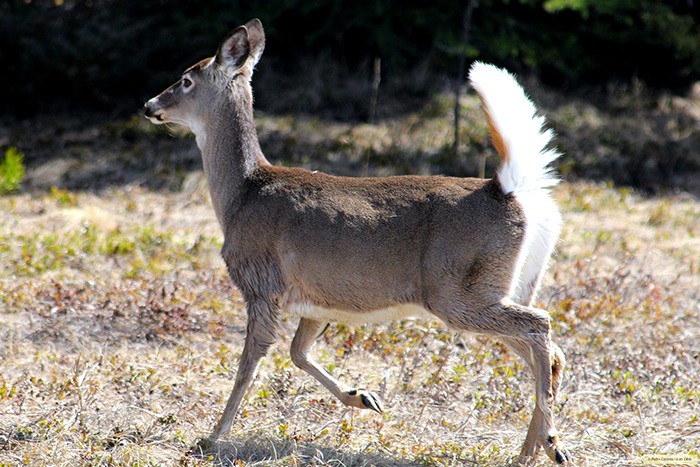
[11, 171]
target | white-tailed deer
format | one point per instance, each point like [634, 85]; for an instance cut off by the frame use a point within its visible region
[470, 252]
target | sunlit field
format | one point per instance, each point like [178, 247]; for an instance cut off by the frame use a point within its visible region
[120, 332]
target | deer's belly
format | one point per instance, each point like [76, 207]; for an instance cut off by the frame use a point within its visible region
[307, 310]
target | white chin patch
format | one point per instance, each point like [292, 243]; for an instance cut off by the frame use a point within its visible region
[158, 119]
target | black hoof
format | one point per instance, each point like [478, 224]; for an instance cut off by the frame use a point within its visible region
[562, 457]
[368, 399]
[372, 402]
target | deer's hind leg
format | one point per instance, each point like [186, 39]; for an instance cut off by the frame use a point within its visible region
[527, 331]
[306, 334]
[531, 443]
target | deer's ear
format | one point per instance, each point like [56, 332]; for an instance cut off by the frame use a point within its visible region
[234, 50]
[256, 39]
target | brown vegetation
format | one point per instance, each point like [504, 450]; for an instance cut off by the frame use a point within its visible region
[120, 333]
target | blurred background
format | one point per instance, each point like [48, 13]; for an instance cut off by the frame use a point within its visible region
[639, 60]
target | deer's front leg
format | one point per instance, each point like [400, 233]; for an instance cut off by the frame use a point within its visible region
[263, 324]
[306, 334]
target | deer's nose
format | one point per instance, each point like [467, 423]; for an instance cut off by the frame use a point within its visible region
[153, 111]
[149, 109]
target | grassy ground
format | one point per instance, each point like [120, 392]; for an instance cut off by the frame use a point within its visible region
[120, 333]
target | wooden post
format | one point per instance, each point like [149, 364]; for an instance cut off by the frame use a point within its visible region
[466, 26]
[376, 79]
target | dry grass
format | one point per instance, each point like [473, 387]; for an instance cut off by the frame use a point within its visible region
[120, 333]
[120, 336]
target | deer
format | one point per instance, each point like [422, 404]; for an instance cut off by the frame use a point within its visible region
[468, 252]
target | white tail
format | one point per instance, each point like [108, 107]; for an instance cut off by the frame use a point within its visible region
[470, 252]
[516, 129]
[525, 172]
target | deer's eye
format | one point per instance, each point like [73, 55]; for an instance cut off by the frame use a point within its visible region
[186, 82]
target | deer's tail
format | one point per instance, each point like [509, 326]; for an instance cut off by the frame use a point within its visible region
[516, 131]
[525, 171]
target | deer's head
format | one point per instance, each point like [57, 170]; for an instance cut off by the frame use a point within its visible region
[191, 100]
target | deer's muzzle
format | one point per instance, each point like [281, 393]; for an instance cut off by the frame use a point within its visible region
[153, 112]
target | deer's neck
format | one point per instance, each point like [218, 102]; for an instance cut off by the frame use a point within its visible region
[230, 153]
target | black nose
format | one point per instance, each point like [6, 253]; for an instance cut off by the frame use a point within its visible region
[148, 109]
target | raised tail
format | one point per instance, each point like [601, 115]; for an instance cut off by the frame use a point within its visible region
[521, 143]
[516, 131]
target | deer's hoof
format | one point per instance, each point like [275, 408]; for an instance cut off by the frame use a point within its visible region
[365, 400]
[556, 452]
[562, 456]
